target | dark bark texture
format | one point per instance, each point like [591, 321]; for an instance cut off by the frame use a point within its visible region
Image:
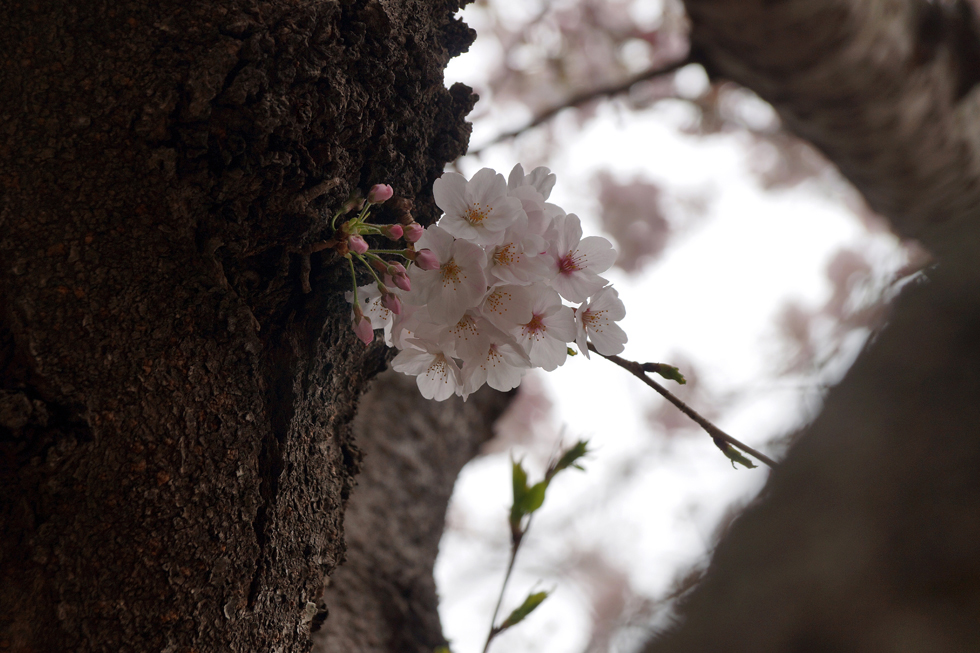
[383, 598]
[175, 442]
[867, 537]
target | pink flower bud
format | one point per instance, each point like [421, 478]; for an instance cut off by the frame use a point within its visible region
[395, 268]
[413, 232]
[393, 231]
[402, 281]
[380, 193]
[392, 303]
[426, 259]
[362, 326]
[357, 244]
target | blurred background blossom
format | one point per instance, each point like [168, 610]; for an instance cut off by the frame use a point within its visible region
[745, 260]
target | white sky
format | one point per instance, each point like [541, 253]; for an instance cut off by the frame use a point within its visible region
[713, 298]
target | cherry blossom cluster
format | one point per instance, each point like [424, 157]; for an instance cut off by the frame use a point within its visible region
[482, 300]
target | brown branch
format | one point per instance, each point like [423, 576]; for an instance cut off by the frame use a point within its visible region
[588, 96]
[636, 369]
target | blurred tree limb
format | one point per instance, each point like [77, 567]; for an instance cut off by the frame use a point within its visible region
[866, 537]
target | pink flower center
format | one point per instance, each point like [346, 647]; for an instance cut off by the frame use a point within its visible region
[568, 264]
[534, 327]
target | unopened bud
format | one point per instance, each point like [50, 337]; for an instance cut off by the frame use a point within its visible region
[357, 244]
[394, 231]
[362, 326]
[380, 193]
[392, 303]
[426, 259]
[402, 281]
[363, 330]
[413, 232]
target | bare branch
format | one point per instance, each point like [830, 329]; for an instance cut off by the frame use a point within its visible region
[637, 370]
[588, 96]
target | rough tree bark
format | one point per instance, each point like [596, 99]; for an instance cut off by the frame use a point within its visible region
[383, 598]
[866, 536]
[175, 444]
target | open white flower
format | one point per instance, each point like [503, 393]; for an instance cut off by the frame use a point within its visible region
[596, 321]
[546, 335]
[369, 297]
[437, 375]
[578, 261]
[478, 210]
[459, 283]
[518, 260]
[507, 306]
[541, 179]
[540, 214]
[501, 363]
[462, 339]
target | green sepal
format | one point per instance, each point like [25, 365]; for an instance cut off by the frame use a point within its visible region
[569, 458]
[669, 372]
[733, 454]
[530, 603]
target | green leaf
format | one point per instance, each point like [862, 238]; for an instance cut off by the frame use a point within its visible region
[519, 477]
[441, 649]
[571, 352]
[568, 458]
[533, 498]
[530, 603]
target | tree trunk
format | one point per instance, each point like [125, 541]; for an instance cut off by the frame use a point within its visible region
[866, 537]
[175, 443]
[383, 598]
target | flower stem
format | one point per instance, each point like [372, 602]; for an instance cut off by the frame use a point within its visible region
[516, 539]
[636, 369]
[374, 274]
[353, 277]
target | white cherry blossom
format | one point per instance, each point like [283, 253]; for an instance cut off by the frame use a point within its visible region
[459, 283]
[484, 293]
[369, 297]
[546, 335]
[578, 261]
[507, 306]
[461, 339]
[518, 260]
[501, 363]
[596, 321]
[478, 210]
[541, 179]
[540, 214]
[437, 374]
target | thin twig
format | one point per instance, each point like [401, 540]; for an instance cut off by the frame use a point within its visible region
[636, 369]
[494, 630]
[588, 96]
